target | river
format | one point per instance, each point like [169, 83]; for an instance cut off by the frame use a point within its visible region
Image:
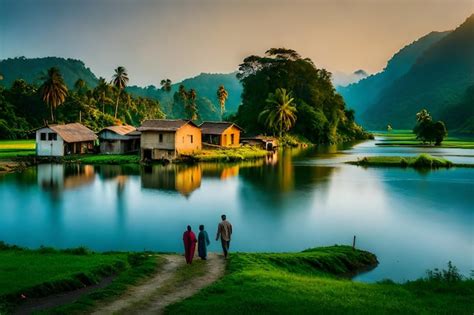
[294, 200]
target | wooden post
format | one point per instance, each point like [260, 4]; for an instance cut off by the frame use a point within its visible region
[354, 243]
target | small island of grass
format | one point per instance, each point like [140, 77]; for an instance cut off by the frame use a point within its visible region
[422, 161]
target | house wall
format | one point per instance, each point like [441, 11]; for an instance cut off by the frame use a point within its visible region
[226, 137]
[150, 140]
[113, 143]
[183, 142]
[48, 147]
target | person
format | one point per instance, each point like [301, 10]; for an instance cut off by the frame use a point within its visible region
[189, 240]
[203, 242]
[224, 231]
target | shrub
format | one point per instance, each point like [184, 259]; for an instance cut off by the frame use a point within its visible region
[450, 275]
[423, 161]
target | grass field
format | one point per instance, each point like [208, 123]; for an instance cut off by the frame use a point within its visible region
[37, 273]
[408, 138]
[13, 148]
[113, 159]
[421, 161]
[308, 283]
[231, 154]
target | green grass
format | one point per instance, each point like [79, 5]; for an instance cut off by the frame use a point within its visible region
[104, 159]
[421, 161]
[42, 272]
[13, 148]
[408, 138]
[230, 154]
[308, 283]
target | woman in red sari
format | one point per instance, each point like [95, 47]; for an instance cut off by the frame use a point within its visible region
[190, 241]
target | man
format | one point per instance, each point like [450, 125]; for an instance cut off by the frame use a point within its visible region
[224, 231]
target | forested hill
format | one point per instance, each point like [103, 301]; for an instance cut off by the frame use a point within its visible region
[205, 84]
[359, 96]
[440, 80]
[32, 70]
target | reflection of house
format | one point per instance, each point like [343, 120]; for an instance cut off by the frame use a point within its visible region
[119, 139]
[60, 140]
[181, 178]
[266, 143]
[221, 133]
[60, 177]
[167, 139]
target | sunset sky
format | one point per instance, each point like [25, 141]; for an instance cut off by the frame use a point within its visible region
[181, 38]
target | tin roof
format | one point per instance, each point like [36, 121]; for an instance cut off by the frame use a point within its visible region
[216, 127]
[74, 132]
[164, 124]
[122, 130]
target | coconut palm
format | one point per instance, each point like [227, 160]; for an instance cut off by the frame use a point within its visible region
[191, 104]
[120, 81]
[166, 85]
[280, 112]
[102, 92]
[54, 90]
[222, 96]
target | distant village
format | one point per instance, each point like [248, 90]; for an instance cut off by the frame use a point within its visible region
[155, 139]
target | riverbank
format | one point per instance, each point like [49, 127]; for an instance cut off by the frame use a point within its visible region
[313, 282]
[406, 138]
[422, 161]
[11, 150]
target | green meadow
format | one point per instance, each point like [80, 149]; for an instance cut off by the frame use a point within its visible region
[408, 138]
[314, 282]
[14, 148]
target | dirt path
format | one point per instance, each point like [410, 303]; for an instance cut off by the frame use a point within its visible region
[174, 282]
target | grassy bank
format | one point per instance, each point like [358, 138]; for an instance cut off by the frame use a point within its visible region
[29, 274]
[310, 283]
[420, 161]
[96, 159]
[408, 138]
[230, 154]
[10, 149]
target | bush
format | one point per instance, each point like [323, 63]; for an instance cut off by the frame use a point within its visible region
[423, 161]
[450, 275]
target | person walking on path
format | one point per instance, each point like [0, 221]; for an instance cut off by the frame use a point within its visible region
[189, 240]
[224, 231]
[203, 242]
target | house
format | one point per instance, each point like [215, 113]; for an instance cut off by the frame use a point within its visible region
[60, 140]
[222, 133]
[119, 139]
[168, 138]
[263, 142]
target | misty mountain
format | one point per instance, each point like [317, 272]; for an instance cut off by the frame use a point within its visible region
[439, 80]
[342, 79]
[359, 96]
[32, 70]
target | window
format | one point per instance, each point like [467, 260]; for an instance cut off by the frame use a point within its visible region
[160, 137]
[190, 138]
[232, 139]
[43, 136]
[52, 136]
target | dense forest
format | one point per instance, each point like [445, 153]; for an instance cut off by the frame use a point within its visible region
[285, 92]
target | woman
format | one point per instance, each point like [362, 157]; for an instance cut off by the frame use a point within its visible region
[203, 242]
[189, 240]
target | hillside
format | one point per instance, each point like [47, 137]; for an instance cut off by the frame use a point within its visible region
[205, 84]
[32, 70]
[438, 81]
[359, 96]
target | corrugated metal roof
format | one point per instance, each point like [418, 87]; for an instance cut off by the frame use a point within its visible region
[216, 127]
[164, 124]
[74, 132]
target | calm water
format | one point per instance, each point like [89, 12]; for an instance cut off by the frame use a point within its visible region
[297, 199]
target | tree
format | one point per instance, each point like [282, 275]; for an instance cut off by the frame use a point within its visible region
[280, 112]
[439, 131]
[166, 85]
[101, 92]
[428, 131]
[423, 116]
[191, 108]
[222, 96]
[120, 81]
[54, 90]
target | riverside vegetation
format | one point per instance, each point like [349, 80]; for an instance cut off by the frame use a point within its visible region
[313, 281]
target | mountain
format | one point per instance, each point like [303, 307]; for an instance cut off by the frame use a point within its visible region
[359, 96]
[342, 79]
[439, 80]
[33, 69]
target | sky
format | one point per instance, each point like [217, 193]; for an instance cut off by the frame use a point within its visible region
[176, 39]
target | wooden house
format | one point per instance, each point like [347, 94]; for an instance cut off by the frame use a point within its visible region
[222, 133]
[60, 140]
[119, 139]
[263, 142]
[168, 138]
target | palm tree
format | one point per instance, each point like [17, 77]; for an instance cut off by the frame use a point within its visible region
[101, 91]
[280, 112]
[166, 85]
[120, 81]
[222, 96]
[54, 90]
